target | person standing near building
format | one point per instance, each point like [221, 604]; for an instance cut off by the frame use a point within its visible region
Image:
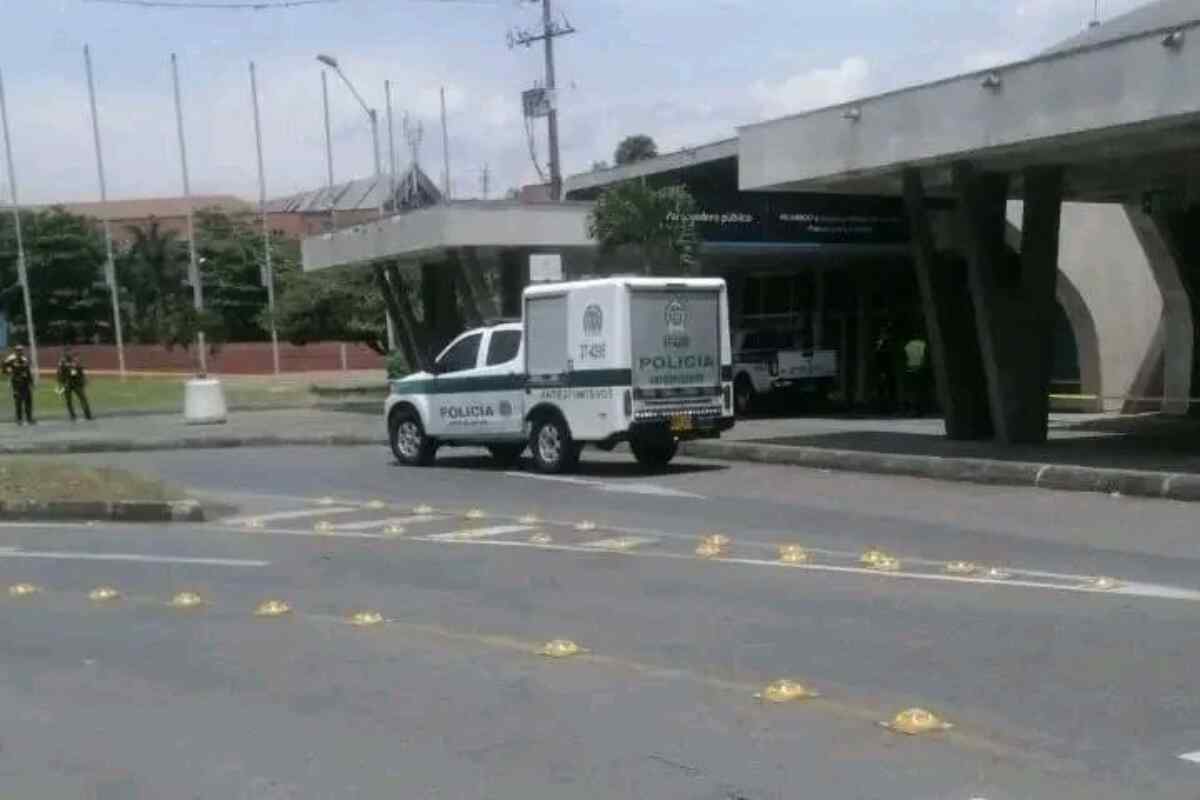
[20, 375]
[71, 382]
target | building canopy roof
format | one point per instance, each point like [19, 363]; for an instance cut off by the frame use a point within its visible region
[413, 189]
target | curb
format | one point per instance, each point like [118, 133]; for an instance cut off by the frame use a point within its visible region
[1063, 477]
[189, 443]
[115, 510]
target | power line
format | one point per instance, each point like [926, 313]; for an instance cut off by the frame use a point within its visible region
[260, 5]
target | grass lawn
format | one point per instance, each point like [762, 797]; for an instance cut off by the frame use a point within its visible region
[38, 479]
[108, 393]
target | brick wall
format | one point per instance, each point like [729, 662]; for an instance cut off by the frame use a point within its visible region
[242, 358]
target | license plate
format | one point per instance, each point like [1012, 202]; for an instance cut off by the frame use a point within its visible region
[680, 423]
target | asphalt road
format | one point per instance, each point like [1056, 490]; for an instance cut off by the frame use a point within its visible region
[1056, 687]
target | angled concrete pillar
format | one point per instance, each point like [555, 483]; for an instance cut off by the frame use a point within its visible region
[514, 277]
[949, 323]
[477, 300]
[400, 312]
[442, 321]
[1179, 282]
[1013, 295]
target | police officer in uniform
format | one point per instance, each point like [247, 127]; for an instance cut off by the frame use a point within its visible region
[20, 373]
[71, 381]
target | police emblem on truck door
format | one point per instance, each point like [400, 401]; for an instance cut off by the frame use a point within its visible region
[593, 321]
[676, 317]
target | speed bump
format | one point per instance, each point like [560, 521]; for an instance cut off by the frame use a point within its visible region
[561, 648]
[272, 608]
[365, 619]
[792, 554]
[187, 600]
[103, 594]
[961, 568]
[785, 691]
[23, 589]
[541, 537]
[914, 721]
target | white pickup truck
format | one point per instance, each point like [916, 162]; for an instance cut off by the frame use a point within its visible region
[770, 360]
[640, 360]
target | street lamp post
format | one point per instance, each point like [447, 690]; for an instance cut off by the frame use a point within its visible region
[373, 117]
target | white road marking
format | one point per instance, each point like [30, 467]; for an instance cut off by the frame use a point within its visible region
[330, 534]
[381, 523]
[619, 543]
[1193, 756]
[278, 515]
[141, 558]
[473, 534]
[611, 486]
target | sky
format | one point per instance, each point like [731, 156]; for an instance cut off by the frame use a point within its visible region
[685, 73]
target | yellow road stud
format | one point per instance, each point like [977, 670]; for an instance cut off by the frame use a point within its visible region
[272, 608]
[886, 564]
[915, 721]
[792, 554]
[323, 527]
[716, 539]
[23, 589]
[997, 574]
[365, 619]
[785, 691]
[475, 513]
[961, 568]
[707, 549]
[530, 519]
[541, 537]
[254, 524]
[394, 529]
[103, 594]
[423, 510]
[375, 505]
[1105, 583]
[586, 525]
[326, 501]
[871, 556]
[187, 600]
[560, 648]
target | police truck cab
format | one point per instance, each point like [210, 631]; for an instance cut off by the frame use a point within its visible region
[597, 362]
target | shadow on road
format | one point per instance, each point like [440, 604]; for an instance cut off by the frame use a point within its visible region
[587, 468]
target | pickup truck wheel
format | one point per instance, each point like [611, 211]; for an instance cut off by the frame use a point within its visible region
[506, 455]
[409, 443]
[743, 395]
[654, 455]
[554, 450]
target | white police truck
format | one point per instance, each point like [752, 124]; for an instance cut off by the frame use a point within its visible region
[640, 360]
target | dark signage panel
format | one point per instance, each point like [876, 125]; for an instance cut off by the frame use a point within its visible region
[801, 219]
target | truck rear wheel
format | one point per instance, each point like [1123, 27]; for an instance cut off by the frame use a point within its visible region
[409, 443]
[654, 455]
[554, 450]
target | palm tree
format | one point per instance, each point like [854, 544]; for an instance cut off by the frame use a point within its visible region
[155, 268]
[635, 148]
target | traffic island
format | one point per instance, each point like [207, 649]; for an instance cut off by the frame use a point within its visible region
[35, 489]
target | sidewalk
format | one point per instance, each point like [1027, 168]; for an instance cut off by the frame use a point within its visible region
[1145, 455]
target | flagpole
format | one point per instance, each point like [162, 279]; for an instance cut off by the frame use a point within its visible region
[268, 275]
[193, 266]
[22, 274]
[110, 269]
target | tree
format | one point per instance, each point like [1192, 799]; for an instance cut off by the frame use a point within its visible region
[343, 305]
[64, 260]
[231, 248]
[658, 223]
[599, 166]
[635, 148]
[152, 271]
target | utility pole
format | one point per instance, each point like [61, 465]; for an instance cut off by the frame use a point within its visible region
[485, 180]
[551, 30]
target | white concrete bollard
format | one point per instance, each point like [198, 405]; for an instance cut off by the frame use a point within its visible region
[203, 401]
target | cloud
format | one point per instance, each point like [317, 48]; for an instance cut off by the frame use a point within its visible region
[815, 88]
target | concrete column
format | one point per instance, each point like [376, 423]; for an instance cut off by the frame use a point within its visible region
[395, 298]
[514, 277]
[818, 308]
[1013, 295]
[864, 345]
[442, 320]
[1176, 356]
[478, 301]
[949, 323]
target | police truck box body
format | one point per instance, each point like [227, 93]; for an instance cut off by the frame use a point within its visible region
[639, 360]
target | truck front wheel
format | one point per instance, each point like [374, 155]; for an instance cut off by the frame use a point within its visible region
[409, 443]
[554, 450]
[654, 455]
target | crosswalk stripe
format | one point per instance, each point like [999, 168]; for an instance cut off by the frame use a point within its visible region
[469, 534]
[367, 525]
[619, 543]
[306, 512]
